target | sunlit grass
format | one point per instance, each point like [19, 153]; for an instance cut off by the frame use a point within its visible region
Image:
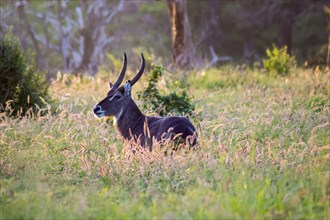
[263, 152]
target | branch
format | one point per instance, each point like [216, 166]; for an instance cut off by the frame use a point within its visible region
[119, 8]
[5, 15]
[22, 15]
[80, 17]
[216, 58]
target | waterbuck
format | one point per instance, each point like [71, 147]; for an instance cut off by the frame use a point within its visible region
[133, 125]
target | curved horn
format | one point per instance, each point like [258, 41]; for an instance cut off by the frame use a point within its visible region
[122, 73]
[139, 74]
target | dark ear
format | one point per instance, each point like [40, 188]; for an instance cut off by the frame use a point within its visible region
[110, 85]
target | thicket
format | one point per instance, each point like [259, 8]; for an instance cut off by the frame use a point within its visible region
[22, 87]
[176, 102]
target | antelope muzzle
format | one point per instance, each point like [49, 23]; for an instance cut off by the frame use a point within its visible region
[98, 111]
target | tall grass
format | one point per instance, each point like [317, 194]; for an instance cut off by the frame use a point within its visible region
[263, 152]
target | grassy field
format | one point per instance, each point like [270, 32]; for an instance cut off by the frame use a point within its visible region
[263, 152]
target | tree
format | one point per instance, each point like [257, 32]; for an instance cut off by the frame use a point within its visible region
[76, 30]
[328, 56]
[92, 30]
[183, 47]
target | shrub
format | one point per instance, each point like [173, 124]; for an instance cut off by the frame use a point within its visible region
[278, 61]
[21, 84]
[176, 102]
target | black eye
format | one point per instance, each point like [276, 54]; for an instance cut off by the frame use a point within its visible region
[117, 97]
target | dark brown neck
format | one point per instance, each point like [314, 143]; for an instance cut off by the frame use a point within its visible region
[130, 122]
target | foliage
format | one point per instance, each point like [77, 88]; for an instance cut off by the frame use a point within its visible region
[22, 86]
[176, 102]
[263, 153]
[278, 61]
[311, 34]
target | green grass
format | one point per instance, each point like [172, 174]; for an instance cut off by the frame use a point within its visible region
[263, 152]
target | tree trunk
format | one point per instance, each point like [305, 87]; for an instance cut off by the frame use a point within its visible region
[288, 13]
[88, 52]
[328, 57]
[285, 33]
[183, 47]
[22, 15]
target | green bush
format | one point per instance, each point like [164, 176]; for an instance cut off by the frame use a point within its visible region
[176, 102]
[278, 61]
[22, 87]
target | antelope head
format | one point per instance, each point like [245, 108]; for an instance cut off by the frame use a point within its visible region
[118, 98]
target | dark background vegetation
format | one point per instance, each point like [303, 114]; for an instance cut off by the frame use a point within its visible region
[80, 36]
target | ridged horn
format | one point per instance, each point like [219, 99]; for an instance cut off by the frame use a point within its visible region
[139, 74]
[122, 73]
